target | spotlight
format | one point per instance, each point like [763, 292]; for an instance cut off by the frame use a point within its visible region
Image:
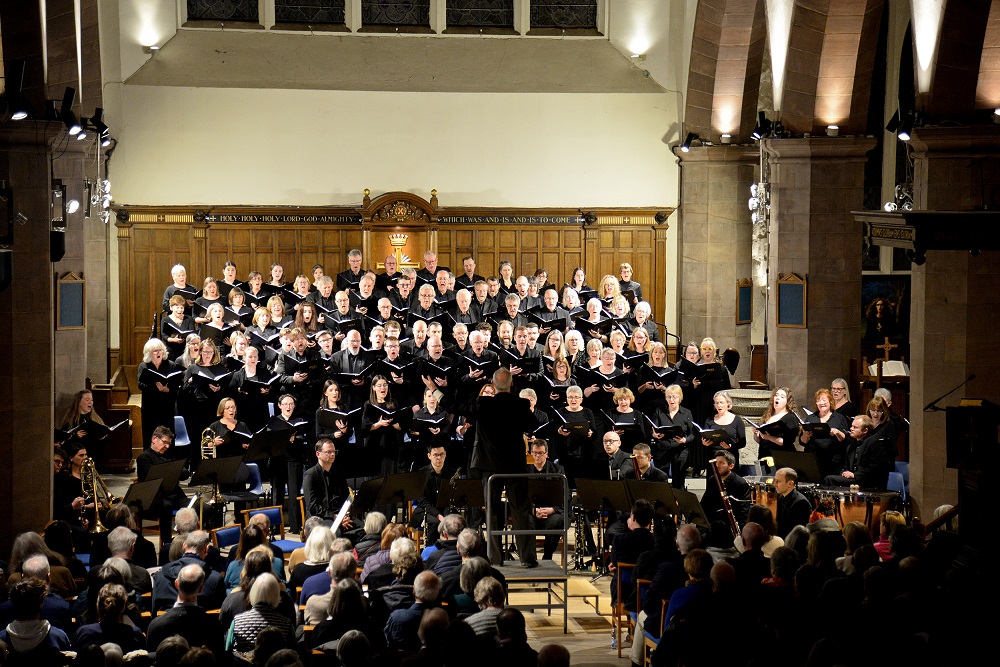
[103, 132]
[66, 112]
[686, 146]
[82, 134]
[726, 138]
[905, 127]
[763, 127]
[894, 122]
[73, 205]
[832, 130]
[890, 206]
[20, 108]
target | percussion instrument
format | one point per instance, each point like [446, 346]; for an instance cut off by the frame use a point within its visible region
[863, 506]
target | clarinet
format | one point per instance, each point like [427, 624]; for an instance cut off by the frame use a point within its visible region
[733, 525]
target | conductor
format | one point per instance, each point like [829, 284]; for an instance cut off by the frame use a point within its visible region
[499, 448]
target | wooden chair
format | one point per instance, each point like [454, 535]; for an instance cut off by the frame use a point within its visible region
[650, 642]
[623, 577]
[641, 585]
[226, 536]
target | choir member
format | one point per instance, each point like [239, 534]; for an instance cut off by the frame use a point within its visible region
[237, 311]
[229, 280]
[626, 283]
[179, 276]
[192, 343]
[842, 398]
[883, 429]
[625, 420]
[79, 414]
[579, 280]
[827, 443]
[506, 280]
[323, 297]
[307, 318]
[780, 411]
[575, 443]
[482, 303]
[431, 427]
[575, 348]
[382, 433]
[209, 297]
[640, 319]
[595, 311]
[649, 392]
[287, 470]
[736, 433]
[159, 395]
[231, 437]
[279, 318]
[343, 431]
[299, 292]
[349, 279]
[197, 399]
[385, 282]
[469, 278]
[428, 274]
[175, 326]
[608, 289]
[251, 386]
[256, 295]
[674, 450]
[277, 277]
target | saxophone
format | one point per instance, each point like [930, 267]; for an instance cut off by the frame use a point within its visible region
[208, 444]
[95, 490]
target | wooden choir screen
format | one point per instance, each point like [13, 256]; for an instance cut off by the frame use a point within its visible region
[153, 239]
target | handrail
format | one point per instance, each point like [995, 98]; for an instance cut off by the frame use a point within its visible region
[542, 531]
[941, 520]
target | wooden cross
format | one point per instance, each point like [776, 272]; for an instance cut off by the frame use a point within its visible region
[886, 346]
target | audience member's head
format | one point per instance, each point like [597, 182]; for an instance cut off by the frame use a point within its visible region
[198, 656]
[470, 544]
[510, 626]
[426, 587]
[473, 570]
[723, 577]
[784, 564]
[688, 538]
[317, 549]
[171, 650]
[375, 523]
[553, 655]
[452, 526]
[26, 598]
[698, 564]
[354, 649]
[342, 566]
[761, 515]
[489, 593]
[269, 641]
[433, 629]
[406, 563]
[754, 537]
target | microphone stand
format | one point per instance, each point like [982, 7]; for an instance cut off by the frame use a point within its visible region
[933, 407]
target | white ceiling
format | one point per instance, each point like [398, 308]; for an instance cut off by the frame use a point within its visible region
[257, 59]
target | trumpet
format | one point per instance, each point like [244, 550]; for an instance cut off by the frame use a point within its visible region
[95, 490]
[208, 444]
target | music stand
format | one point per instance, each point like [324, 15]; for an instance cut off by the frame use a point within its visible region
[599, 495]
[658, 493]
[167, 473]
[369, 492]
[141, 495]
[546, 492]
[212, 472]
[689, 507]
[267, 443]
[403, 487]
[803, 463]
[464, 493]
[585, 469]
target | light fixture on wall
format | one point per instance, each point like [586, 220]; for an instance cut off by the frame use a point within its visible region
[151, 49]
[832, 130]
[66, 114]
[726, 138]
[686, 145]
[103, 131]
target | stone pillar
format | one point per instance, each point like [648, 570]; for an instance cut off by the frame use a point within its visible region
[26, 336]
[815, 184]
[955, 301]
[714, 237]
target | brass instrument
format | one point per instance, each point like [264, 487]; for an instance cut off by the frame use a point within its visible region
[208, 444]
[95, 490]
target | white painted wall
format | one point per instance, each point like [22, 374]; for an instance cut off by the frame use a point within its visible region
[295, 147]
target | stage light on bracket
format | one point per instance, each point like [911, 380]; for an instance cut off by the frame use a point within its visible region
[66, 114]
[686, 145]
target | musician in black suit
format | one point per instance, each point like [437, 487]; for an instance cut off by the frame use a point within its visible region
[620, 465]
[644, 468]
[438, 474]
[502, 421]
[867, 463]
[738, 492]
[793, 507]
[545, 518]
[324, 486]
[166, 501]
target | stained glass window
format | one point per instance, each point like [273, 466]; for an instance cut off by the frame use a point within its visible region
[395, 12]
[563, 14]
[309, 11]
[481, 13]
[222, 10]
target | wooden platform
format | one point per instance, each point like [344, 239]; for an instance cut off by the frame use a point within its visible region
[548, 578]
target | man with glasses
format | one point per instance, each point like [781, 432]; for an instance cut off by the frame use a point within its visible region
[324, 486]
[437, 475]
[545, 518]
[166, 501]
[620, 464]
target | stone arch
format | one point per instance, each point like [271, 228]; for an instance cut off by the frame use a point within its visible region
[724, 75]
